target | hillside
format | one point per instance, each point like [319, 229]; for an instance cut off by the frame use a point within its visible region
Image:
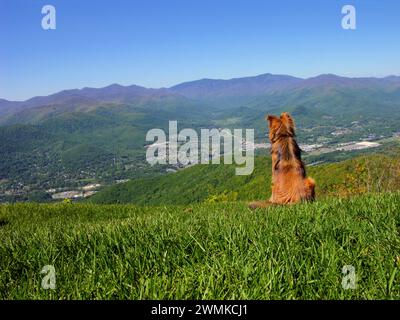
[213, 183]
[207, 251]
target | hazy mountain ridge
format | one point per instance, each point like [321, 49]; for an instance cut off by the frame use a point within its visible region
[256, 85]
[216, 92]
[82, 100]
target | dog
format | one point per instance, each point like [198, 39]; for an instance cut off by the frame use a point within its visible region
[290, 183]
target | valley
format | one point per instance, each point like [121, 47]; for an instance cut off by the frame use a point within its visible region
[54, 146]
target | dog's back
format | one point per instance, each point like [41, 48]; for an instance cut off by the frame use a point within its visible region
[289, 181]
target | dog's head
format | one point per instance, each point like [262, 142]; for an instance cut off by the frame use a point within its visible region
[280, 127]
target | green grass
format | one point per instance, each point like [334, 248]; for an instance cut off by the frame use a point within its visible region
[203, 251]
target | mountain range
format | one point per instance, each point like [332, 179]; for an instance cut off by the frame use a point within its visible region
[77, 136]
[217, 93]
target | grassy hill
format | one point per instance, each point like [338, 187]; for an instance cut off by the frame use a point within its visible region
[214, 183]
[205, 251]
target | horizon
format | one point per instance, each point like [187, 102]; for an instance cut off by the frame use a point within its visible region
[194, 80]
[158, 45]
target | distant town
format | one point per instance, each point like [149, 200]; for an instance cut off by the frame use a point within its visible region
[60, 193]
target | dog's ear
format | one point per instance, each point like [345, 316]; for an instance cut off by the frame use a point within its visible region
[272, 120]
[288, 122]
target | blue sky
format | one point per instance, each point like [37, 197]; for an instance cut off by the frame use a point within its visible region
[157, 43]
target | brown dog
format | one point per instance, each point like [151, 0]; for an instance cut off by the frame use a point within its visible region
[289, 181]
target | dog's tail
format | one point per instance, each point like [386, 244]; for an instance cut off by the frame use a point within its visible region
[310, 187]
[260, 204]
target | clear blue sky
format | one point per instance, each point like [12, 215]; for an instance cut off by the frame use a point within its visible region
[158, 43]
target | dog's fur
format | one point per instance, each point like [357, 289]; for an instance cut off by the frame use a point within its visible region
[289, 181]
